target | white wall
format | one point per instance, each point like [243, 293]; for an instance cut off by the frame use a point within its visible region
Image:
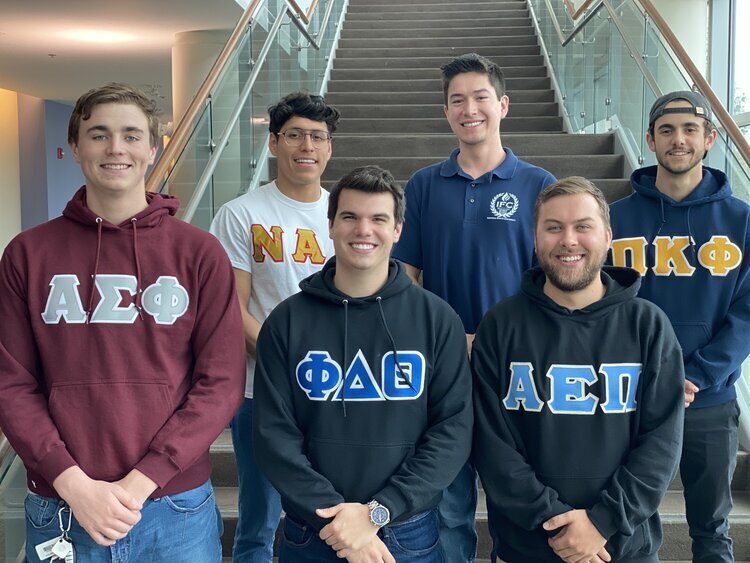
[10, 175]
[689, 20]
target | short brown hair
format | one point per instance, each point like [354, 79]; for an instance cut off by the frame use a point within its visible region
[370, 179]
[114, 93]
[573, 185]
[471, 62]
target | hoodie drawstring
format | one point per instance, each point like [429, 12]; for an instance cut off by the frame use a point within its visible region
[404, 378]
[690, 237]
[138, 289]
[345, 302]
[663, 218]
[96, 267]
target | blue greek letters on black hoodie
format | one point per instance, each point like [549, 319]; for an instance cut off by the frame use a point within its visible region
[334, 419]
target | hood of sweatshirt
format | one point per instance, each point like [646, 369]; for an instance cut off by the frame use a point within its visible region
[321, 285]
[621, 283]
[159, 206]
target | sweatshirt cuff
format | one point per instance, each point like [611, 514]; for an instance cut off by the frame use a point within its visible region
[158, 467]
[55, 462]
[603, 519]
[393, 500]
[699, 376]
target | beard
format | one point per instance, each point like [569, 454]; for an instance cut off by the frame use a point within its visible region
[568, 280]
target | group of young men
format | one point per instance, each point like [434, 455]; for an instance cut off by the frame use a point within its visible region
[370, 403]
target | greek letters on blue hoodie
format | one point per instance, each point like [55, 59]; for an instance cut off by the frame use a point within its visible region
[335, 421]
[693, 258]
[576, 410]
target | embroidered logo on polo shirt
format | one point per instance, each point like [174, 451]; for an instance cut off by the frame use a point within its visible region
[503, 206]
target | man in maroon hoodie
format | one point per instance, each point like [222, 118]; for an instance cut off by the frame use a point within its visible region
[121, 356]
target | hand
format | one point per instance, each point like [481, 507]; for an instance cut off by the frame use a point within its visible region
[138, 485]
[105, 510]
[469, 342]
[690, 390]
[351, 529]
[579, 541]
[375, 552]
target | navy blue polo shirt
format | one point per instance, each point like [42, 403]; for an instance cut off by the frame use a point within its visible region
[472, 238]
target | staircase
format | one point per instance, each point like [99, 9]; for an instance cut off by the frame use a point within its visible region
[386, 83]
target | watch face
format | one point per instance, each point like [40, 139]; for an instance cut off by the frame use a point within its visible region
[379, 515]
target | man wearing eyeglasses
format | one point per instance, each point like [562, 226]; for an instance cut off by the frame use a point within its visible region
[275, 236]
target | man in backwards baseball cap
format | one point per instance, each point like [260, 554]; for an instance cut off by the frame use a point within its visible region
[687, 235]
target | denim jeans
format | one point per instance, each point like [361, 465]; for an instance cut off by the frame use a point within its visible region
[185, 527]
[709, 456]
[457, 512]
[259, 503]
[415, 541]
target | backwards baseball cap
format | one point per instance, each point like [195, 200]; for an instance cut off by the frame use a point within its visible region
[699, 106]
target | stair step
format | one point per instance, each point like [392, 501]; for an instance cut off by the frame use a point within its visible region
[455, 15]
[507, 28]
[436, 110]
[447, 52]
[432, 63]
[427, 25]
[440, 125]
[676, 546]
[434, 97]
[513, 36]
[426, 85]
[438, 147]
[466, 10]
[426, 73]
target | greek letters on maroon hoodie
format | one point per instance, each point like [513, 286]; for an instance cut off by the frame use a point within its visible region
[121, 347]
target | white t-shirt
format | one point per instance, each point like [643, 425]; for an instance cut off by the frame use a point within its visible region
[280, 241]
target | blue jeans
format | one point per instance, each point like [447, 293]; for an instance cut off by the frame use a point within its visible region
[259, 503]
[184, 527]
[457, 511]
[415, 541]
[709, 456]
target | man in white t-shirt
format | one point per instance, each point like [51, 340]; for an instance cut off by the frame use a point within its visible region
[275, 236]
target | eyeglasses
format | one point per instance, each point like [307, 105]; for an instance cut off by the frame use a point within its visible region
[295, 137]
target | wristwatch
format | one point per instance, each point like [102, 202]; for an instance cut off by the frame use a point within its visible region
[379, 514]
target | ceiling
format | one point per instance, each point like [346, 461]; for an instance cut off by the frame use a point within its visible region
[52, 49]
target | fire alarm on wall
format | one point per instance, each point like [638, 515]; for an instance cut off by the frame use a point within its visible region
[60, 153]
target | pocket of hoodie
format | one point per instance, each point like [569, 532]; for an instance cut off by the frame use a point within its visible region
[107, 426]
[357, 470]
[691, 335]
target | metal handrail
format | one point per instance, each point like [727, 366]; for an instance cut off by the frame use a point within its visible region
[699, 82]
[183, 131]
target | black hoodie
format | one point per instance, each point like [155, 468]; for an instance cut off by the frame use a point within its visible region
[610, 449]
[398, 437]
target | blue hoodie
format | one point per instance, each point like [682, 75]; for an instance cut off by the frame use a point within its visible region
[692, 256]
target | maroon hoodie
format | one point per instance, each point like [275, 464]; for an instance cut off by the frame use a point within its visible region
[121, 347]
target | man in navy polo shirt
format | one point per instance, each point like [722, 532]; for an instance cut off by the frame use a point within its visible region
[469, 232]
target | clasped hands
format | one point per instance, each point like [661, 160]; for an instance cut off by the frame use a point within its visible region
[352, 535]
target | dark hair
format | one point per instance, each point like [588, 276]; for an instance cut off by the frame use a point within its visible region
[114, 93]
[370, 179]
[573, 185]
[302, 104]
[471, 62]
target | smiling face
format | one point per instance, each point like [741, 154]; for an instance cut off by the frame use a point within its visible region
[364, 231]
[300, 167]
[680, 141]
[114, 150]
[571, 241]
[473, 110]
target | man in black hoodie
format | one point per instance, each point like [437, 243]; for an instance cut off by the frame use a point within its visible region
[578, 398]
[364, 394]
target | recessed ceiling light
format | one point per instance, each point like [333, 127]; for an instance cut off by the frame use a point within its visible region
[97, 36]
